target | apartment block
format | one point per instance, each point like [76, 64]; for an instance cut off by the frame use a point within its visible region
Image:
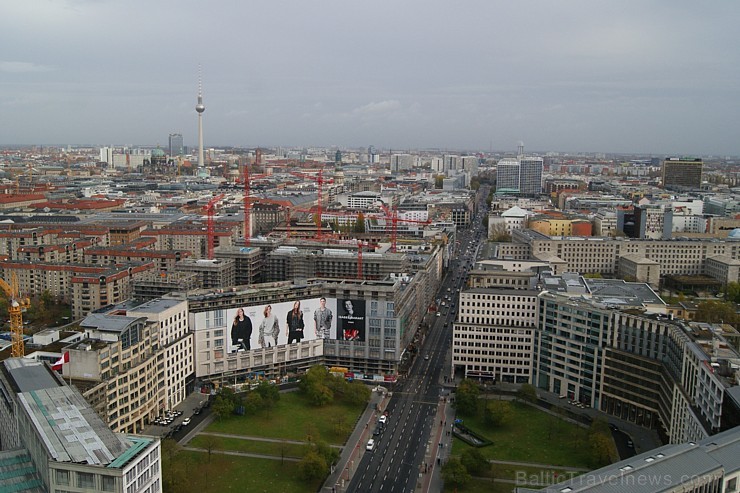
[163, 260]
[91, 291]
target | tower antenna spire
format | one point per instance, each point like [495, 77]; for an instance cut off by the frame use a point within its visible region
[200, 108]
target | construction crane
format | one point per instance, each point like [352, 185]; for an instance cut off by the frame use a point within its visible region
[211, 231]
[247, 206]
[360, 268]
[393, 216]
[17, 306]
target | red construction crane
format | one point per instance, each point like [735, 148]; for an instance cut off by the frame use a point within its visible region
[319, 209]
[360, 244]
[210, 231]
[247, 207]
[392, 214]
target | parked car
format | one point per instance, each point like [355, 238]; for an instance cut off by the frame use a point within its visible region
[186, 421]
[370, 445]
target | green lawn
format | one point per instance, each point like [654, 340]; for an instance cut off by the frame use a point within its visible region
[293, 418]
[239, 474]
[277, 449]
[532, 435]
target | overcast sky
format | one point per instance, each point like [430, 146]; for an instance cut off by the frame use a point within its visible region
[660, 77]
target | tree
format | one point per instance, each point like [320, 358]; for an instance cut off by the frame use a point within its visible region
[320, 395]
[360, 223]
[222, 408]
[327, 452]
[269, 392]
[497, 413]
[313, 466]
[599, 426]
[253, 403]
[314, 385]
[340, 424]
[454, 472]
[716, 311]
[225, 403]
[527, 393]
[732, 292]
[497, 232]
[357, 393]
[600, 448]
[169, 453]
[466, 398]
[210, 443]
[474, 461]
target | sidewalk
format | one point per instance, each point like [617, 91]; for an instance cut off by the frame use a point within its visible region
[342, 472]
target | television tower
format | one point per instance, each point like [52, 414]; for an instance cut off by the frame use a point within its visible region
[200, 108]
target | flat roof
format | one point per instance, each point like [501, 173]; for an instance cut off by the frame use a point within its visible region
[70, 430]
[27, 374]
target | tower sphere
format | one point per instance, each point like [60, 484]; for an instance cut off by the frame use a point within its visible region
[200, 107]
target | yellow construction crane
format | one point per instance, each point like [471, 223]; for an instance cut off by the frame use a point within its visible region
[17, 306]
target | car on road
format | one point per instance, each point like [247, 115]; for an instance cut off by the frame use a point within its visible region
[383, 419]
[378, 430]
[426, 356]
[370, 445]
[186, 421]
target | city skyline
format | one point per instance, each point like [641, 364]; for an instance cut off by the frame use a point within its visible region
[569, 77]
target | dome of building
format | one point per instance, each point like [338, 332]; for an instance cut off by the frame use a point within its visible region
[157, 152]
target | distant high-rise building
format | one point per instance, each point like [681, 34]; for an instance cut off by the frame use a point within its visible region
[521, 175]
[507, 176]
[682, 173]
[176, 145]
[530, 175]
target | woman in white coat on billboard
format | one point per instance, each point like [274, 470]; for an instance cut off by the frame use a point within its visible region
[269, 327]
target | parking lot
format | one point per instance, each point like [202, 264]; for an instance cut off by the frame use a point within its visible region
[176, 423]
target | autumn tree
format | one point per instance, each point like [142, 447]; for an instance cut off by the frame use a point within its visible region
[474, 461]
[466, 398]
[454, 472]
[527, 393]
[497, 413]
[712, 311]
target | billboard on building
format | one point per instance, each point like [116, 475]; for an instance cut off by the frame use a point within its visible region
[276, 324]
[351, 320]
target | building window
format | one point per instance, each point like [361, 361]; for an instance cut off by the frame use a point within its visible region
[62, 477]
[108, 483]
[215, 318]
[85, 480]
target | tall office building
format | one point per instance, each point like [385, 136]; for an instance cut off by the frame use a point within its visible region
[176, 145]
[521, 175]
[530, 175]
[682, 173]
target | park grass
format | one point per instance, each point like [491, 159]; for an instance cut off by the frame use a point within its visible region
[478, 485]
[531, 435]
[276, 449]
[293, 418]
[227, 473]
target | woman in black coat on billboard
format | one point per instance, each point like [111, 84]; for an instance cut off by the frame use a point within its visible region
[241, 331]
[295, 323]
